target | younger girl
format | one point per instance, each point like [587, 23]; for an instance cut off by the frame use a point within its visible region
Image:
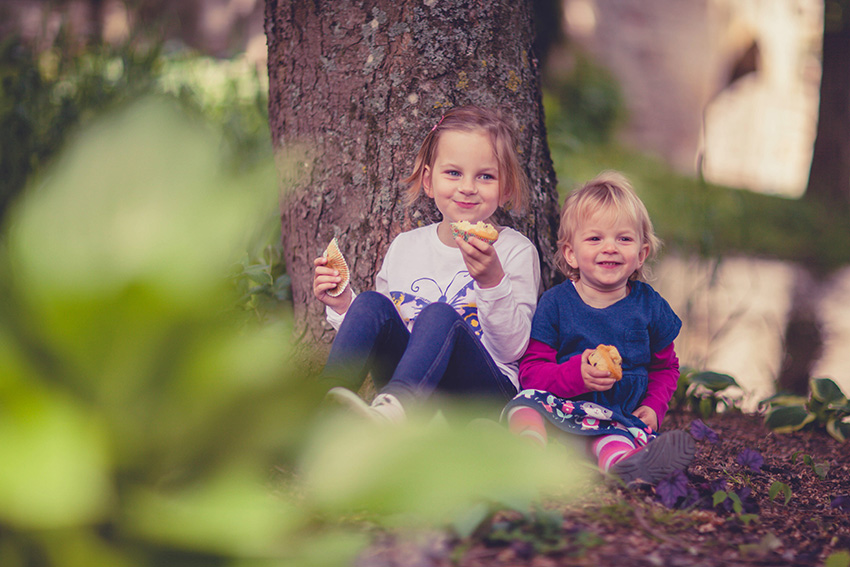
[603, 241]
[447, 315]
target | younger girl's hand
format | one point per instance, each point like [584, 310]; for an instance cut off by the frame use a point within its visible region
[325, 278]
[648, 416]
[595, 380]
[482, 262]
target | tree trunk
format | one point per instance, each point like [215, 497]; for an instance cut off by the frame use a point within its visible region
[803, 333]
[829, 177]
[354, 87]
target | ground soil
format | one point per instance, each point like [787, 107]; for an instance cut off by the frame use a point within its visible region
[631, 527]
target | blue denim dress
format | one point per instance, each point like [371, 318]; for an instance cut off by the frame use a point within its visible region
[640, 324]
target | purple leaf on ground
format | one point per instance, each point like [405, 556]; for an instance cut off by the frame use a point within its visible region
[841, 502]
[701, 432]
[750, 458]
[672, 488]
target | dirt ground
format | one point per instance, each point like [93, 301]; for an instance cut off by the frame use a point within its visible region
[753, 525]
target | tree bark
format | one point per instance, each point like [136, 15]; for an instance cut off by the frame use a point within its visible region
[829, 176]
[354, 87]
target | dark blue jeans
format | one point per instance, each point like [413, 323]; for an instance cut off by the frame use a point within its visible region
[441, 354]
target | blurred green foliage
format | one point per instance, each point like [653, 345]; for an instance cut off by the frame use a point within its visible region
[44, 95]
[48, 94]
[147, 417]
[583, 107]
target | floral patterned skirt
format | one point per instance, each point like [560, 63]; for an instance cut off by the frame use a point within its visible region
[583, 417]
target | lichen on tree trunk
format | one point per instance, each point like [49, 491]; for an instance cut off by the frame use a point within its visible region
[355, 87]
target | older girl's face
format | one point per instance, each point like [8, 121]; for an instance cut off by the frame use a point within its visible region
[464, 179]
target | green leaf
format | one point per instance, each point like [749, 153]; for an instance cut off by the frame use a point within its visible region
[737, 505]
[55, 462]
[840, 408]
[381, 464]
[467, 521]
[783, 400]
[707, 407]
[259, 273]
[826, 390]
[230, 513]
[821, 469]
[719, 497]
[780, 488]
[838, 559]
[839, 429]
[714, 381]
[785, 419]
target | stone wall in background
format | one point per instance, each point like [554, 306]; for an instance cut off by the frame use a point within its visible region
[733, 83]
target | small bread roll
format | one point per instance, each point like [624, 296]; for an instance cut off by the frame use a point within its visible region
[607, 357]
[337, 261]
[466, 230]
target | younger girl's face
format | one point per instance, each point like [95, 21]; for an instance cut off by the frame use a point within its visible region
[464, 178]
[606, 251]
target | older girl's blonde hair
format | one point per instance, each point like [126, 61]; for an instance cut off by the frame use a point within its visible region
[612, 194]
[514, 183]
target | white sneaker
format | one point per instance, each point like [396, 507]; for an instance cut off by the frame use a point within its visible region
[385, 408]
[388, 408]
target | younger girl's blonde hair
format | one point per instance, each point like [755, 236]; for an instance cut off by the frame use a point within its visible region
[609, 193]
[514, 183]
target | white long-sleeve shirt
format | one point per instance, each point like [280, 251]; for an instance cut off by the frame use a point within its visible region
[419, 269]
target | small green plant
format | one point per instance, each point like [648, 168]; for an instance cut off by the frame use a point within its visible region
[704, 392]
[826, 407]
[780, 488]
[261, 281]
[540, 529]
[821, 469]
[722, 496]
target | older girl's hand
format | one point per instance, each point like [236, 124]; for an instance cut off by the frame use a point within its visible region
[326, 278]
[595, 380]
[482, 262]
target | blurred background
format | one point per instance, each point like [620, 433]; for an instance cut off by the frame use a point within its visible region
[707, 102]
[709, 106]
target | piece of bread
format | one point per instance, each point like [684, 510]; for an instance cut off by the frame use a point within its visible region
[466, 230]
[607, 357]
[337, 262]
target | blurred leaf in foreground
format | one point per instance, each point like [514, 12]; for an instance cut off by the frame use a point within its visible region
[432, 473]
[140, 417]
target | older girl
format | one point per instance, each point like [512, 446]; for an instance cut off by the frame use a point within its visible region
[447, 315]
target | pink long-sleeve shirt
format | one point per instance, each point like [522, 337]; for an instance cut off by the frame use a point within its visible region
[539, 370]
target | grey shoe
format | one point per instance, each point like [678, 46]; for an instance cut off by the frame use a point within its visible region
[669, 452]
[385, 408]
